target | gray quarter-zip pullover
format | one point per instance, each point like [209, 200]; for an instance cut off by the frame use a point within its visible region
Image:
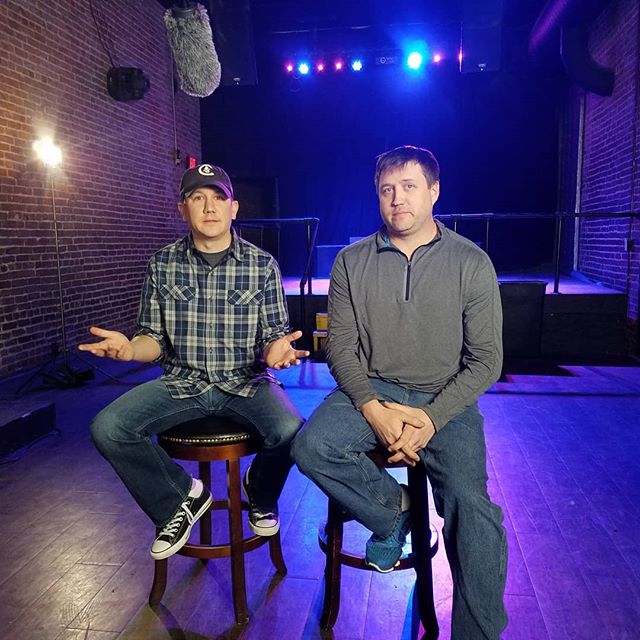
[432, 323]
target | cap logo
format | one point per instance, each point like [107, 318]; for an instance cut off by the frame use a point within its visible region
[205, 170]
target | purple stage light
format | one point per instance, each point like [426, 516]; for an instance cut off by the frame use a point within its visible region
[288, 67]
[437, 58]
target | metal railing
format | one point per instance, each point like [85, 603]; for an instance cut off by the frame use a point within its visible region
[490, 219]
[311, 234]
[559, 217]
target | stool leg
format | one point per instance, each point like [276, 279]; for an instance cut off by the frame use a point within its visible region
[204, 470]
[159, 581]
[238, 583]
[421, 544]
[275, 552]
[333, 568]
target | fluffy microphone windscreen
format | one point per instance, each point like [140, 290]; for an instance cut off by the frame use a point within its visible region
[191, 42]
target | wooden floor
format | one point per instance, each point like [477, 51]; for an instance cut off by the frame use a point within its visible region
[564, 449]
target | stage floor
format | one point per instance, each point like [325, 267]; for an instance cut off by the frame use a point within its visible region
[563, 444]
[569, 284]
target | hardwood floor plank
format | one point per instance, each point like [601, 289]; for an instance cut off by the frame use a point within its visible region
[525, 619]
[85, 634]
[568, 608]
[49, 566]
[61, 603]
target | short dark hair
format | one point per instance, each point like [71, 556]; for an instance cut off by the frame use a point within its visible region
[400, 156]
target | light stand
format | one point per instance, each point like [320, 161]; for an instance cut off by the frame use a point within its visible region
[61, 376]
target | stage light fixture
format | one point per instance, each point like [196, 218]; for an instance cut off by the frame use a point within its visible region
[414, 60]
[48, 152]
[288, 67]
[437, 57]
[338, 65]
[356, 65]
[320, 66]
[304, 68]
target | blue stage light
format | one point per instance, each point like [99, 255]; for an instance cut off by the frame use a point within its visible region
[356, 65]
[414, 60]
[303, 68]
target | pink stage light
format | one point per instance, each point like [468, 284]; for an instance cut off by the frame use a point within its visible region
[338, 65]
[320, 66]
[437, 58]
[288, 67]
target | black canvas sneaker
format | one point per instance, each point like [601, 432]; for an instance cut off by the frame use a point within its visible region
[262, 523]
[175, 533]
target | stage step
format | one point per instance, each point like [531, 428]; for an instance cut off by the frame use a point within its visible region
[24, 421]
[535, 323]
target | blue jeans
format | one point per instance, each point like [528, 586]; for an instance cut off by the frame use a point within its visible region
[331, 450]
[123, 433]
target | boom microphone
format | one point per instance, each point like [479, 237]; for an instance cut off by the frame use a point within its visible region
[191, 43]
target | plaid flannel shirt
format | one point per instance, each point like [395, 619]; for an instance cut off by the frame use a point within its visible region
[212, 323]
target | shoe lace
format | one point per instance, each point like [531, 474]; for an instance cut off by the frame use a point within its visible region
[264, 515]
[171, 528]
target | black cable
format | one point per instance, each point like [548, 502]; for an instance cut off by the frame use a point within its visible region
[100, 37]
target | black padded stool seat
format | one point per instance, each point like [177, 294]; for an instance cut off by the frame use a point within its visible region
[208, 440]
[424, 544]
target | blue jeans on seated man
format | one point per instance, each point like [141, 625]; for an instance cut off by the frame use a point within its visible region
[123, 433]
[331, 450]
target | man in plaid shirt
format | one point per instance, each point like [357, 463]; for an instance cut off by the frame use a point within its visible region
[213, 314]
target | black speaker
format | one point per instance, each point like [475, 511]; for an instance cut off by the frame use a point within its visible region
[233, 39]
[258, 198]
[126, 83]
[481, 36]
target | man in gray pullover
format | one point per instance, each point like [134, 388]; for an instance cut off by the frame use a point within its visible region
[415, 326]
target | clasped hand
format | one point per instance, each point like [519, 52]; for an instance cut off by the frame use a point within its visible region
[403, 430]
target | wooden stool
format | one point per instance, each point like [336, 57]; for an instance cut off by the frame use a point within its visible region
[424, 543]
[208, 440]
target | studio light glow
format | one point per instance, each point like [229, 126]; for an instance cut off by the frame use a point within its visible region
[303, 68]
[414, 60]
[437, 57]
[356, 65]
[48, 153]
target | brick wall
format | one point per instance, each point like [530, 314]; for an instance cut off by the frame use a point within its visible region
[116, 190]
[611, 180]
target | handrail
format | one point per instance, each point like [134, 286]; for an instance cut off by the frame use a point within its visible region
[311, 233]
[558, 216]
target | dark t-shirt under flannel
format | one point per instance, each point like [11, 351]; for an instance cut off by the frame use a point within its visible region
[212, 323]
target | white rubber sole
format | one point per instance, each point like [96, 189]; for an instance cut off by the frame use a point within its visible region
[167, 553]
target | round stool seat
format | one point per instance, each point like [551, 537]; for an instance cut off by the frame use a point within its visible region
[211, 438]
[213, 430]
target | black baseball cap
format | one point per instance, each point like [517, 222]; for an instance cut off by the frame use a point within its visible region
[205, 175]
